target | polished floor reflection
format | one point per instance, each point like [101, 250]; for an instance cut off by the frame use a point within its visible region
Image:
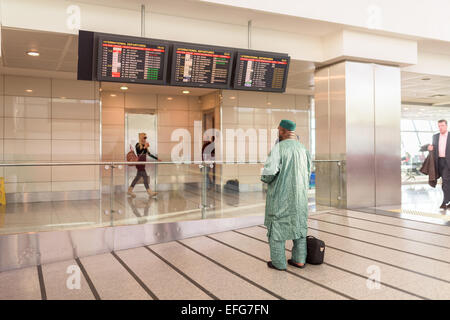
[410, 260]
[168, 206]
[420, 202]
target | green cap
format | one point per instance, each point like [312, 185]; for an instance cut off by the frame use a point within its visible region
[288, 125]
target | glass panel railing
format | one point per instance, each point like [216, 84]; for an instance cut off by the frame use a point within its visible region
[327, 185]
[48, 197]
[62, 196]
[156, 192]
[234, 190]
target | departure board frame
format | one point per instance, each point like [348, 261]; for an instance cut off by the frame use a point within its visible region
[193, 46]
[128, 39]
[273, 55]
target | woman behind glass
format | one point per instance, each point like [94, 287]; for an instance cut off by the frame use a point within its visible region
[142, 152]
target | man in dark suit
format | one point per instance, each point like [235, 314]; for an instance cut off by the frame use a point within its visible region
[441, 148]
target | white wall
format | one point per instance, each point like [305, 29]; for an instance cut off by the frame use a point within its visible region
[259, 111]
[57, 121]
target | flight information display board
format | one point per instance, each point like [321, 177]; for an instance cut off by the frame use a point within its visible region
[126, 59]
[198, 66]
[261, 72]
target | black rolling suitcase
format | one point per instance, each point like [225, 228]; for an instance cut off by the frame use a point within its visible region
[315, 250]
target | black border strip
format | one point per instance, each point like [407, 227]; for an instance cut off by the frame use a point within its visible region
[382, 233]
[345, 270]
[41, 282]
[334, 213]
[88, 279]
[397, 215]
[233, 272]
[195, 283]
[290, 272]
[135, 276]
[383, 262]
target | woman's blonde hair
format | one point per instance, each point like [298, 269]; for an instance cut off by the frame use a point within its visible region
[141, 137]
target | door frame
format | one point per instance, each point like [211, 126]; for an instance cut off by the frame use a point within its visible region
[127, 149]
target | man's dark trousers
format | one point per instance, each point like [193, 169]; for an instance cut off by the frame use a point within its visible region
[444, 172]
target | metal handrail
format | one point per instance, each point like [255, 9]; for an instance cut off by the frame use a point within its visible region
[131, 163]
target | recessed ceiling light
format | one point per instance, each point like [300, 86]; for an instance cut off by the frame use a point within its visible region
[233, 97]
[186, 91]
[29, 90]
[33, 53]
[123, 88]
[113, 95]
[169, 98]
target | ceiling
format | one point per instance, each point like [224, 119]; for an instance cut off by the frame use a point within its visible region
[58, 55]
[144, 88]
[427, 89]
[221, 13]
[58, 52]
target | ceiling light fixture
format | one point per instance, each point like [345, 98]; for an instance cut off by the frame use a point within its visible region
[169, 98]
[186, 91]
[123, 88]
[437, 95]
[33, 53]
[426, 79]
[233, 97]
[113, 95]
[29, 90]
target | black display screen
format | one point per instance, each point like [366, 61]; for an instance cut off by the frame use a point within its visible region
[257, 71]
[201, 66]
[127, 59]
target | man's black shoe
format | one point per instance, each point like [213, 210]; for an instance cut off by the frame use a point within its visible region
[270, 265]
[443, 206]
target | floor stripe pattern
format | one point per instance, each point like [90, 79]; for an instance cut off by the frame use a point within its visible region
[368, 257]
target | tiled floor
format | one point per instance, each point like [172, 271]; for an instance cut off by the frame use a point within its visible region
[410, 258]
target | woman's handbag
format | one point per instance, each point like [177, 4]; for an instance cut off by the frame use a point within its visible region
[131, 156]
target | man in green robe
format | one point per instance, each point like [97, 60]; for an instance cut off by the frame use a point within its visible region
[287, 171]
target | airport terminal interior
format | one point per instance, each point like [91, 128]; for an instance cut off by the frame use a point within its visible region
[365, 99]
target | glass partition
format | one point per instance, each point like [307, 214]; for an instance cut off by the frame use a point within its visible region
[49, 197]
[174, 195]
[233, 189]
[65, 196]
